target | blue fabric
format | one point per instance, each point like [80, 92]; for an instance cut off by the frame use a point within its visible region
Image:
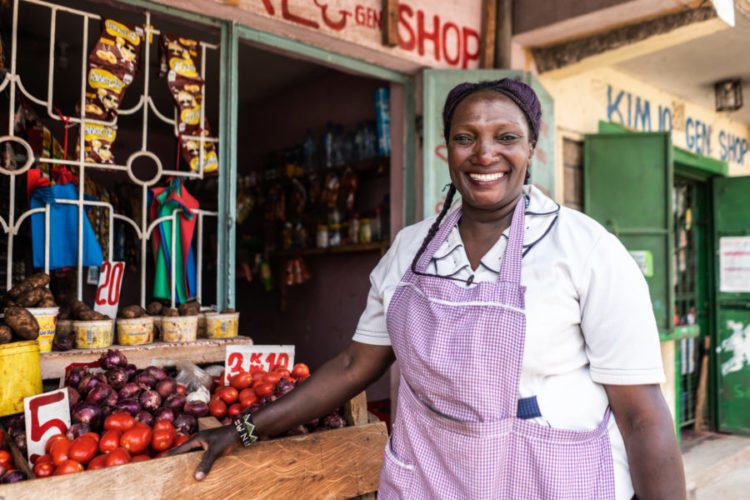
[528, 408]
[63, 250]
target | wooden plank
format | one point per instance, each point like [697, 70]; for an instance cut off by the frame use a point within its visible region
[158, 353]
[489, 31]
[700, 404]
[389, 18]
[342, 463]
[355, 410]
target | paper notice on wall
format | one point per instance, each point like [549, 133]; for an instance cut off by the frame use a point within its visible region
[734, 264]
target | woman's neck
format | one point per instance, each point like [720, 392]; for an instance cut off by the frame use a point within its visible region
[480, 229]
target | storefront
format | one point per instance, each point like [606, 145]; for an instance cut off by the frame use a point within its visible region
[669, 178]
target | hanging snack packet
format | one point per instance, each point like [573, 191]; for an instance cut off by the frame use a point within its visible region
[119, 46]
[97, 143]
[104, 91]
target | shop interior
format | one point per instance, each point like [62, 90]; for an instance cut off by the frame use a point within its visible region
[314, 176]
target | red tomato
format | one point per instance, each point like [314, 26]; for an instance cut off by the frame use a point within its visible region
[6, 459]
[278, 368]
[247, 399]
[181, 389]
[234, 410]
[83, 449]
[110, 441]
[162, 440]
[271, 378]
[228, 394]
[301, 370]
[258, 374]
[68, 467]
[59, 451]
[141, 425]
[119, 422]
[241, 380]
[119, 456]
[180, 439]
[284, 373]
[99, 462]
[217, 408]
[164, 425]
[263, 390]
[140, 458]
[44, 469]
[43, 459]
[93, 435]
[51, 440]
[136, 440]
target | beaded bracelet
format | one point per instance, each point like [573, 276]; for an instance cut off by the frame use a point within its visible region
[246, 429]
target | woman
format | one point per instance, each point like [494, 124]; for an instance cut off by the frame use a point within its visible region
[521, 327]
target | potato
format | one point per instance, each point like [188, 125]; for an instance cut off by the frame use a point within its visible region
[155, 308]
[31, 298]
[19, 289]
[6, 334]
[87, 315]
[131, 312]
[170, 312]
[189, 309]
[99, 316]
[47, 294]
[38, 280]
[65, 313]
[47, 303]
[228, 310]
[9, 302]
[22, 322]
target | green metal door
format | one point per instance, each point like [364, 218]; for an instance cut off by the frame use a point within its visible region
[732, 250]
[628, 189]
[436, 85]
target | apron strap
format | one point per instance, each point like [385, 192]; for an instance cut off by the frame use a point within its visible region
[450, 220]
[510, 269]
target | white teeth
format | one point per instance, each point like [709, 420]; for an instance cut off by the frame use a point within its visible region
[487, 177]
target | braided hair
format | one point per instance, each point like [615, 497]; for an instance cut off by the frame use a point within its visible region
[434, 228]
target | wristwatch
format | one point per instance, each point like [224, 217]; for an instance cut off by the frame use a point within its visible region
[246, 429]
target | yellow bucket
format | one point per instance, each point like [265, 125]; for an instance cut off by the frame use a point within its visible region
[222, 326]
[93, 334]
[135, 331]
[45, 316]
[179, 328]
[20, 375]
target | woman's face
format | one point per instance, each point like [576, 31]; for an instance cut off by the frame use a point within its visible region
[488, 150]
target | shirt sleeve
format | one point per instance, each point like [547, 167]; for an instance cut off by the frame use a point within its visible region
[372, 328]
[617, 318]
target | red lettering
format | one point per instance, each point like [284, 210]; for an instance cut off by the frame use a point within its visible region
[283, 360]
[374, 17]
[453, 61]
[287, 14]
[334, 25]
[234, 363]
[423, 35]
[37, 431]
[469, 54]
[404, 16]
[269, 7]
[256, 361]
[106, 271]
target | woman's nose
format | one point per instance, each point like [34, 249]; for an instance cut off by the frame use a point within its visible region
[485, 153]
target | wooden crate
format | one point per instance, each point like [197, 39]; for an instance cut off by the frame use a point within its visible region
[341, 463]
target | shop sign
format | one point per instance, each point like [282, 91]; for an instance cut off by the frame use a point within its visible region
[250, 358]
[442, 34]
[46, 415]
[107, 296]
[734, 264]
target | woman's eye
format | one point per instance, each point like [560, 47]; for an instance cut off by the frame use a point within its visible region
[462, 139]
[507, 138]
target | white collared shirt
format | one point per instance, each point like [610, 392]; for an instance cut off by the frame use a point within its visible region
[589, 319]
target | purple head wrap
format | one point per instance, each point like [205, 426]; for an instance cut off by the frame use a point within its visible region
[520, 93]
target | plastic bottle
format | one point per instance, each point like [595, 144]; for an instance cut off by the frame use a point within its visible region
[383, 121]
[308, 151]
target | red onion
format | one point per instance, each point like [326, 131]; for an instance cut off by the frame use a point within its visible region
[196, 408]
[145, 417]
[12, 476]
[87, 413]
[145, 380]
[108, 410]
[334, 421]
[77, 430]
[150, 400]
[186, 424]
[117, 378]
[131, 406]
[112, 359]
[101, 394]
[73, 397]
[166, 386]
[130, 390]
[130, 370]
[87, 383]
[164, 414]
[75, 375]
[156, 372]
[175, 402]
[283, 387]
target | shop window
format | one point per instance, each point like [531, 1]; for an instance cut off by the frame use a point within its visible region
[573, 173]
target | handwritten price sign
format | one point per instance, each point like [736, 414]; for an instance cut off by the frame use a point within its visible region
[108, 293]
[240, 358]
[47, 414]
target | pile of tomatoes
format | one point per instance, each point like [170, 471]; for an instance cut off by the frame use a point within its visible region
[8, 471]
[124, 440]
[253, 390]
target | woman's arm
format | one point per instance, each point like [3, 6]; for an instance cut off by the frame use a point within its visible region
[341, 378]
[648, 431]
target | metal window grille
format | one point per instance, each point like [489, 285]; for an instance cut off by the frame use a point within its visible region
[10, 221]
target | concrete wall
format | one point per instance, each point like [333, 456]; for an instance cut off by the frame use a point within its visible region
[532, 14]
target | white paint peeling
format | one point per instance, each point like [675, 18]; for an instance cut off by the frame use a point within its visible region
[739, 344]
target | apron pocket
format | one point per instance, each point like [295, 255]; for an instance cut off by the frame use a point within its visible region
[397, 475]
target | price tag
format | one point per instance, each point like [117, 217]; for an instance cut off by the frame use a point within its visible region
[46, 415]
[108, 292]
[250, 358]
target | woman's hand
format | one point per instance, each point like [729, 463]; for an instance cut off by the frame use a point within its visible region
[217, 442]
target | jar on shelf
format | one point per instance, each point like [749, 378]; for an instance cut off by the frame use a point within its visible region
[354, 229]
[321, 238]
[365, 231]
[334, 235]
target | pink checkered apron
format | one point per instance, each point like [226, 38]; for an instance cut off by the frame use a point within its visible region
[456, 433]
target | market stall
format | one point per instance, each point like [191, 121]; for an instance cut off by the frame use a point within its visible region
[117, 231]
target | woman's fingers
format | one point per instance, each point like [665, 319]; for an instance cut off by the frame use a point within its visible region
[191, 444]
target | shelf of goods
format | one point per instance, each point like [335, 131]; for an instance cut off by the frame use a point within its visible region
[340, 463]
[158, 354]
